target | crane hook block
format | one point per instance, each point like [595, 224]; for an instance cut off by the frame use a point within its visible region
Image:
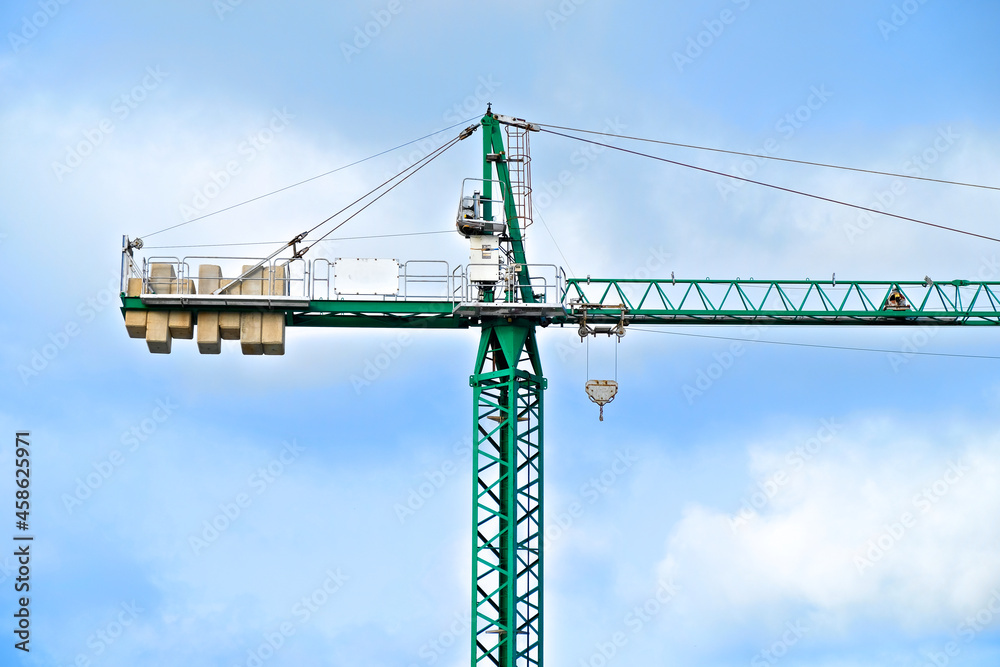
[601, 392]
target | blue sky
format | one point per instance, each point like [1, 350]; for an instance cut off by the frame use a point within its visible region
[741, 518]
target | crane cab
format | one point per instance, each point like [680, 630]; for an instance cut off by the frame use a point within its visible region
[474, 222]
[896, 301]
[471, 220]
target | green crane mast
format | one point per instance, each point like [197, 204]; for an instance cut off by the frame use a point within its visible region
[500, 296]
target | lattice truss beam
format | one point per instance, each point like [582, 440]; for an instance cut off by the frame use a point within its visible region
[788, 301]
[507, 506]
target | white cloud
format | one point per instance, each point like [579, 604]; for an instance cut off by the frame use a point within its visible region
[896, 525]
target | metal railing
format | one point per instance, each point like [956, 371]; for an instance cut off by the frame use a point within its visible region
[548, 284]
[494, 205]
[279, 277]
[419, 280]
[425, 285]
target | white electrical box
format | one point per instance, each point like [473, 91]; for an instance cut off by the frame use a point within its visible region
[484, 259]
[366, 276]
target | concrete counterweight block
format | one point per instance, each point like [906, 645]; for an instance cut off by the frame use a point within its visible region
[273, 324]
[162, 280]
[229, 323]
[182, 321]
[135, 320]
[209, 278]
[250, 323]
[259, 331]
[135, 323]
[278, 285]
[209, 335]
[158, 331]
[272, 333]
[209, 338]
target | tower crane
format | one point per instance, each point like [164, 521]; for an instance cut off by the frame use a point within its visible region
[508, 299]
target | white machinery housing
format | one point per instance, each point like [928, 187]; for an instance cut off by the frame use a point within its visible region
[484, 259]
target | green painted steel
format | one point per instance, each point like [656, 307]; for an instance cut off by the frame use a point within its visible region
[489, 123]
[507, 557]
[363, 314]
[336, 306]
[661, 301]
[493, 144]
[382, 307]
[366, 321]
[784, 301]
